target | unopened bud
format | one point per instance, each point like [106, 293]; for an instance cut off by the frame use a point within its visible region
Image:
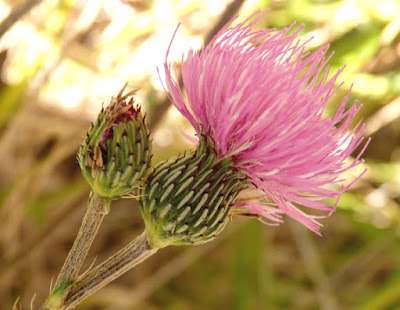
[116, 153]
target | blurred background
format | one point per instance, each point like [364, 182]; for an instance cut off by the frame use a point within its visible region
[60, 60]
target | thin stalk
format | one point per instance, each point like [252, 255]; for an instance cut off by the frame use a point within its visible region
[131, 255]
[16, 14]
[97, 208]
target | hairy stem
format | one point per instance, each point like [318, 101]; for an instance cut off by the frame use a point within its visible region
[131, 255]
[97, 209]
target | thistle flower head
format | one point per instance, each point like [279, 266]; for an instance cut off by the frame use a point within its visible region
[116, 153]
[261, 98]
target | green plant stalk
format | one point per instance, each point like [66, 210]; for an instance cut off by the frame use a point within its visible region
[97, 208]
[131, 255]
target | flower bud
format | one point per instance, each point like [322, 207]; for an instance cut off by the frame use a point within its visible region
[116, 153]
[186, 200]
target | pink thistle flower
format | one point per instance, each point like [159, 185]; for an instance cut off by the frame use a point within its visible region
[261, 99]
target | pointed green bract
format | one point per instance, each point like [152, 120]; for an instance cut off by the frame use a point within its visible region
[186, 200]
[54, 301]
[116, 153]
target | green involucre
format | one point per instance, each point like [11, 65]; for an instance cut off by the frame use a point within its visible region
[116, 153]
[186, 200]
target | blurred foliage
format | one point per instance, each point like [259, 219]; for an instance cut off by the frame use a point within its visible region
[65, 58]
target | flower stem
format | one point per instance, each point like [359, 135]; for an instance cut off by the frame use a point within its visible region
[97, 208]
[131, 255]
